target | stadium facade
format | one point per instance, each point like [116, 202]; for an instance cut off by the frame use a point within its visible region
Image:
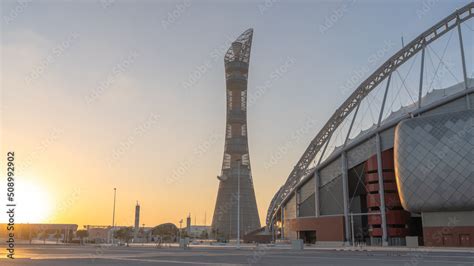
[409, 175]
[236, 169]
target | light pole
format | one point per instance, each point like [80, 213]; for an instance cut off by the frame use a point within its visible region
[144, 235]
[238, 204]
[113, 216]
[352, 229]
[180, 223]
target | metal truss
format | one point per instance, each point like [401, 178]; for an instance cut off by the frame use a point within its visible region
[418, 44]
[245, 42]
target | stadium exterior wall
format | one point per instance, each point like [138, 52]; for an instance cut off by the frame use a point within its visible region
[359, 150]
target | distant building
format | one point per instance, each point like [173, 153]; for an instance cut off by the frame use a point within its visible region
[46, 232]
[188, 223]
[99, 234]
[103, 234]
[164, 233]
[199, 231]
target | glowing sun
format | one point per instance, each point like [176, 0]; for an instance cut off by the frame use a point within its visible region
[33, 202]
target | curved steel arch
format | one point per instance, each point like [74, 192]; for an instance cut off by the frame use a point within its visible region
[403, 55]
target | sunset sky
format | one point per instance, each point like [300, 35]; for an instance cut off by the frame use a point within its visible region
[131, 94]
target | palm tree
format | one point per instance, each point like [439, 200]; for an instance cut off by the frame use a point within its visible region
[43, 236]
[82, 234]
[33, 234]
[124, 234]
[57, 235]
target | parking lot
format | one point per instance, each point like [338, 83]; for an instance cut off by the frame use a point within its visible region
[51, 255]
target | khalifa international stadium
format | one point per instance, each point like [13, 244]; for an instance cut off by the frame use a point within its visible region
[395, 162]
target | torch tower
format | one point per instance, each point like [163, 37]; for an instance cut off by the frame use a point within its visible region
[236, 171]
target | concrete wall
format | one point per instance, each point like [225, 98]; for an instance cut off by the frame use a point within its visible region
[289, 213]
[360, 153]
[454, 106]
[436, 219]
[307, 189]
[331, 199]
[448, 229]
[327, 228]
[332, 170]
[307, 207]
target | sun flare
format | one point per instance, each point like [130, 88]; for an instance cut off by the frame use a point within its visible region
[33, 202]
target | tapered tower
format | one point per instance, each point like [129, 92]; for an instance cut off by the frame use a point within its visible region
[236, 160]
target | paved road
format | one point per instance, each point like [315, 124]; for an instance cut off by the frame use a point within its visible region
[116, 256]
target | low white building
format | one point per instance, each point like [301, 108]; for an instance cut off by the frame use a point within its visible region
[198, 231]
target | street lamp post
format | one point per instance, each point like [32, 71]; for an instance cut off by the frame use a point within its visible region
[113, 217]
[352, 229]
[180, 223]
[238, 204]
[144, 235]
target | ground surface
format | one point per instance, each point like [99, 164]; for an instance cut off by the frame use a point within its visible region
[116, 256]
